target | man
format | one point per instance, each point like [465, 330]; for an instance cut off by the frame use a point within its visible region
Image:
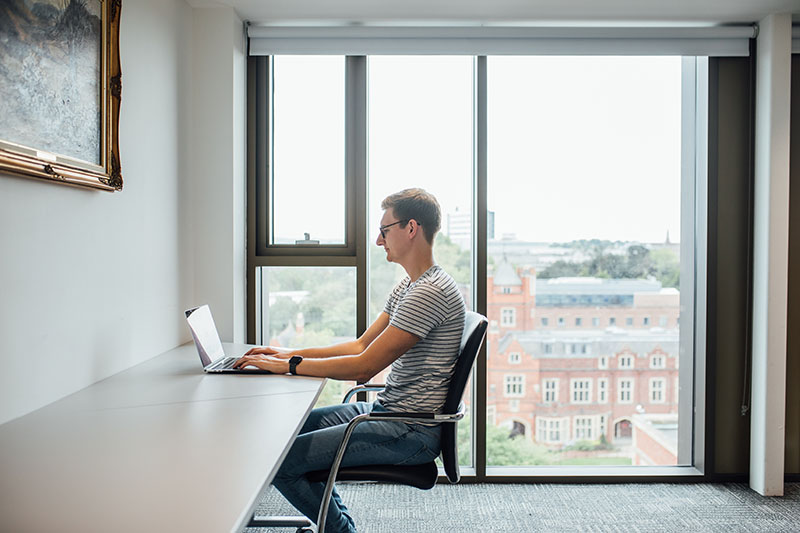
[418, 333]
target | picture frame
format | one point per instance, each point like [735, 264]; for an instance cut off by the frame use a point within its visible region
[59, 71]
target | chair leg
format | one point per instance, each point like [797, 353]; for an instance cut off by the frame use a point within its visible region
[302, 523]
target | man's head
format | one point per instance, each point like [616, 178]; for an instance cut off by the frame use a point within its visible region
[418, 205]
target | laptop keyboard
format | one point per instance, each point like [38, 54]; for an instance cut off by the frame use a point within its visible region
[225, 364]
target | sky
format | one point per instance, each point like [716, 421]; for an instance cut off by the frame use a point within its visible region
[578, 147]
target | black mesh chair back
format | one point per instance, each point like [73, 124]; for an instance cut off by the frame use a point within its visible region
[471, 341]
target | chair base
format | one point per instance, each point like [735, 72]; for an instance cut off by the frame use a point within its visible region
[300, 522]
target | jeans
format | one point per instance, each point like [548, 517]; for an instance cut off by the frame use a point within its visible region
[372, 442]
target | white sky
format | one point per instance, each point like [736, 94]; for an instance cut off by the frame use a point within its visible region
[579, 147]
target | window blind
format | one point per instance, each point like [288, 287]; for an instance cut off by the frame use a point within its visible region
[500, 40]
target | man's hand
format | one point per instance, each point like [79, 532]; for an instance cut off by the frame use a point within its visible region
[278, 353]
[276, 364]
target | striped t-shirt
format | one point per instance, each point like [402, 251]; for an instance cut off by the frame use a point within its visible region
[432, 309]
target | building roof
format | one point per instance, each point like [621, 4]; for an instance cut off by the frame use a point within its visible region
[504, 274]
[577, 286]
[603, 341]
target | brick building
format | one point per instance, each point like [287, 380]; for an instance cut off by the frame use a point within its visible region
[573, 359]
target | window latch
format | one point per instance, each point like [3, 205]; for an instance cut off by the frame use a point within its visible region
[307, 240]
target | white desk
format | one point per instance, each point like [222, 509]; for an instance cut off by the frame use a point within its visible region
[159, 447]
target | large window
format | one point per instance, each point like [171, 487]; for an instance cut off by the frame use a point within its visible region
[562, 179]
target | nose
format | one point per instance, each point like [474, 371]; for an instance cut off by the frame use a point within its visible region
[379, 241]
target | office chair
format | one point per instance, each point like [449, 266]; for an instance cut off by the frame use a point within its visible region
[421, 476]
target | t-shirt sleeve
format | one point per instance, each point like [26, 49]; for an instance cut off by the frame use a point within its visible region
[422, 309]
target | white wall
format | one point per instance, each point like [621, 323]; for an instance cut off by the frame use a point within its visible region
[92, 282]
[217, 177]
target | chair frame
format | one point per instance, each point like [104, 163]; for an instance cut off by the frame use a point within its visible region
[303, 524]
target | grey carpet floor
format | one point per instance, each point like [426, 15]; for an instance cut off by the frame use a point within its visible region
[731, 507]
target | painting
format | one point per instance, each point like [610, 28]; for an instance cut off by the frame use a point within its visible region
[60, 91]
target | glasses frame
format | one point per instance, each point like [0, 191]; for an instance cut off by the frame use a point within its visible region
[382, 229]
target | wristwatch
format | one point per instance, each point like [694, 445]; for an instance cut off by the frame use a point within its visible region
[293, 362]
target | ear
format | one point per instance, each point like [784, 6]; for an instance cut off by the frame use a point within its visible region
[413, 228]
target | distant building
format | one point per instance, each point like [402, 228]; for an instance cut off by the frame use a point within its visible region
[458, 226]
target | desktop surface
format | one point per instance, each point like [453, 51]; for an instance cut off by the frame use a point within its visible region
[159, 447]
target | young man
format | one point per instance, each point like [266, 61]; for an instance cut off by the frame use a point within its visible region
[418, 333]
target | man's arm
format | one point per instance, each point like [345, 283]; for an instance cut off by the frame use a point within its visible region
[390, 344]
[345, 348]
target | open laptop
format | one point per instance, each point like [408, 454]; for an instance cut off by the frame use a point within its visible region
[206, 338]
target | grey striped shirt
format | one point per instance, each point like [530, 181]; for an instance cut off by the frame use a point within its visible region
[432, 309]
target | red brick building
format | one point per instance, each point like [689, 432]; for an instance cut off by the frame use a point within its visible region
[572, 359]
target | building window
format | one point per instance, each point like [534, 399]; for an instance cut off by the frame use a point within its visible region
[547, 347]
[612, 321]
[582, 428]
[491, 415]
[514, 358]
[602, 390]
[602, 362]
[506, 290]
[581, 390]
[625, 361]
[657, 392]
[646, 321]
[545, 321]
[560, 321]
[657, 361]
[629, 321]
[578, 322]
[514, 385]
[596, 322]
[625, 387]
[662, 321]
[550, 390]
[513, 406]
[549, 430]
[601, 422]
[508, 317]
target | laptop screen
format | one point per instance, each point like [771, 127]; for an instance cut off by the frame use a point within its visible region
[204, 331]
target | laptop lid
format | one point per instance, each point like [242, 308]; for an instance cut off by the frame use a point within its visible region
[205, 335]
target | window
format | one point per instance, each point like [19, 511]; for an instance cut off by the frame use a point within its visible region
[513, 406]
[629, 321]
[657, 390]
[625, 387]
[549, 430]
[514, 385]
[581, 390]
[602, 390]
[508, 317]
[657, 361]
[514, 358]
[308, 90]
[583, 428]
[550, 390]
[438, 97]
[491, 414]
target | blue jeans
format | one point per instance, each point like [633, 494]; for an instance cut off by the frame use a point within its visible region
[372, 442]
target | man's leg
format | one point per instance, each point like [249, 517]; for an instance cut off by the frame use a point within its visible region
[371, 443]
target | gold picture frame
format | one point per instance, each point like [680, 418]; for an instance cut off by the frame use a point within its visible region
[63, 26]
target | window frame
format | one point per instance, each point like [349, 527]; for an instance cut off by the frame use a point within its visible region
[694, 206]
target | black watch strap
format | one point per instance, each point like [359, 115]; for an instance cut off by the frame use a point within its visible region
[293, 362]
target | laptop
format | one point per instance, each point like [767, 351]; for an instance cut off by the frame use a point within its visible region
[206, 339]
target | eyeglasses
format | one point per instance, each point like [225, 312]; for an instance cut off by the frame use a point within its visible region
[383, 228]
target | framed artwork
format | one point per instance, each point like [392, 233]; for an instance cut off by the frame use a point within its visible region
[60, 91]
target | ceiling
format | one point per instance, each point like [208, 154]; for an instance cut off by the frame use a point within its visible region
[567, 12]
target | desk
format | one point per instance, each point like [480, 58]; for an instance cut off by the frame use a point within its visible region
[161, 446]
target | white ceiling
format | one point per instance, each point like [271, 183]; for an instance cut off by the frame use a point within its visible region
[503, 11]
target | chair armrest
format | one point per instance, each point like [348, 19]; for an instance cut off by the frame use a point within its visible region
[366, 387]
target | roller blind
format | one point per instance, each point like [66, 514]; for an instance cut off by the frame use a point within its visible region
[485, 40]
